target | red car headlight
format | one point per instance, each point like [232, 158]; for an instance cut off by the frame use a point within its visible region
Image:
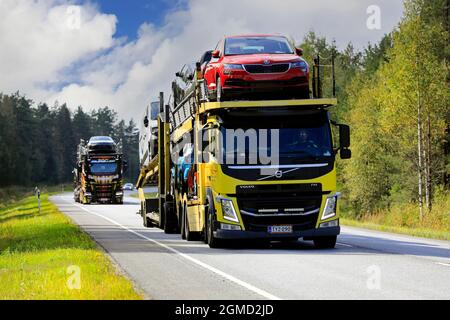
[300, 64]
[229, 68]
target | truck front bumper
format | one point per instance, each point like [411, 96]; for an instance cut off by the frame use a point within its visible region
[311, 233]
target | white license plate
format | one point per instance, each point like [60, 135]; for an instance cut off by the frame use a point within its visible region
[279, 229]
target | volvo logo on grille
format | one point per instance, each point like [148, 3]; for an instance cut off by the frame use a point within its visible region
[266, 62]
[278, 174]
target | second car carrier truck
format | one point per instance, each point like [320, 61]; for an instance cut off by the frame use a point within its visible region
[98, 175]
[244, 169]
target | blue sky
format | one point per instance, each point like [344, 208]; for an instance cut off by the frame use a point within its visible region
[132, 13]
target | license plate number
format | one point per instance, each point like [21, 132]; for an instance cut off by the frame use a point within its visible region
[279, 229]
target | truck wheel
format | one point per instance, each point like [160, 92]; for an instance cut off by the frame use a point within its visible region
[219, 91]
[183, 222]
[205, 227]
[325, 242]
[146, 221]
[212, 241]
[170, 225]
[189, 236]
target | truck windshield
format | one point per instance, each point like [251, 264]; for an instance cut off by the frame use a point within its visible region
[257, 45]
[103, 167]
[306, 138]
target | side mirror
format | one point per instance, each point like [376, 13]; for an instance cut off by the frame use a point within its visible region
[299, 51]
[345, 153]
[146, 121]
[190, 77]
[215, 54]
[178, 74]
[344, 136]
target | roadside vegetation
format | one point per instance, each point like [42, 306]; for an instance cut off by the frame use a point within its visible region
[403, 218]
[395, 95]
[13, 194]
[41, 254]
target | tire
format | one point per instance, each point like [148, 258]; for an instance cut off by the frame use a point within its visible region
[205, 228]
[207, 96]
[212, 241]
[189, 236]
[170, 225]
[183, 222]
[325, 242]
[219, 92]
[304, 93]
[145, 220]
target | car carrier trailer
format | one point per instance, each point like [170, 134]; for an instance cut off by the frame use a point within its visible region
[98, 175]
[202, 195]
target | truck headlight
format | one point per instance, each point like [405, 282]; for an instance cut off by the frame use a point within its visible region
[330, 206]
[119, 193]
[228, 210]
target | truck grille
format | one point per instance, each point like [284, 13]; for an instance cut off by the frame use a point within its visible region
[260, 68]
[296, 205]
[103, 191]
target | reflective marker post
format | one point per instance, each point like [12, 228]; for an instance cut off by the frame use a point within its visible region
[37, 192]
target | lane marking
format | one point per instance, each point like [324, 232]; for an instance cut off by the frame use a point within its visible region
[443, 264]
[344, 244]
[227, 276]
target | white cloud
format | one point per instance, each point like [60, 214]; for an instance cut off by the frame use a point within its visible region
[37, 40]
[130, 74]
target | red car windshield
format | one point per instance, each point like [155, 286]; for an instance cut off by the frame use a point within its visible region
[257, 45]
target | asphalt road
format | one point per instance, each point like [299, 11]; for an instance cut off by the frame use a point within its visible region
[364, 265]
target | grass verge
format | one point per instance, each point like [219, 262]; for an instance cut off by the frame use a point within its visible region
[45, 256]
[417, 232]
[404, 219]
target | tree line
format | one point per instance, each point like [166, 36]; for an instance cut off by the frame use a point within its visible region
[38, 143]
[396, 97]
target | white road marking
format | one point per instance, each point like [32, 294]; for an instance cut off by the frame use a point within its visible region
[227, 276]
[344, 244]
[443, 264]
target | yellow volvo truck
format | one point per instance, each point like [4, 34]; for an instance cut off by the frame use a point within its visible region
[245, 170]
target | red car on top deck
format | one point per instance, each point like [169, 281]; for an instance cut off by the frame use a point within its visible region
[258, 65]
